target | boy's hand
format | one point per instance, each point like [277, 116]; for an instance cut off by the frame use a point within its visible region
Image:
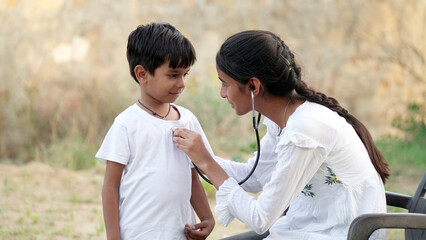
[199, 231]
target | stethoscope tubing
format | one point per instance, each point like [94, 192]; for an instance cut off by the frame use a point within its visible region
[255, 127]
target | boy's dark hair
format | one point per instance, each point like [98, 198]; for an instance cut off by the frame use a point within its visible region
[153, 44]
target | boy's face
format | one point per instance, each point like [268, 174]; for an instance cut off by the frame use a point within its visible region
[166, 84]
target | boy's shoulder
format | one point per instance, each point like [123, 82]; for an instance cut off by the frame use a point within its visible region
[181, 108]
[127, 114]
[184, 111]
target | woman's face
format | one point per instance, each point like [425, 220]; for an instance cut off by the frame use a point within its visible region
[238, 95]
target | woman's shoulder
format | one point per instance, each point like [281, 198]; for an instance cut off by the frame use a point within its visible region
[313, 115]
[315, 110]
[314, 122]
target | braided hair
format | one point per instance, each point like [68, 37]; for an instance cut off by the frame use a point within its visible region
[262, 54]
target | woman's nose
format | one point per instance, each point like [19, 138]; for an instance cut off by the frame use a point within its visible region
[223, 92]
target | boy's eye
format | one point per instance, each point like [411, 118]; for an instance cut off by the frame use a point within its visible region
[173, 75]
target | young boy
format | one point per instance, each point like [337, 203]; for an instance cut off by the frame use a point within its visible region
[150, 184]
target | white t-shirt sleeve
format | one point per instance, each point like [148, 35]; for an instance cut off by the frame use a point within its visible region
[115, 146]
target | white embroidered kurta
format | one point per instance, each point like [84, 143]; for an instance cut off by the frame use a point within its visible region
[317, 166]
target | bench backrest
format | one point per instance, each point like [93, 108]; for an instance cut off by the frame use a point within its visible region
[417, 205]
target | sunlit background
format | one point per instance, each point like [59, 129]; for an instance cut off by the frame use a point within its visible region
[64, 77]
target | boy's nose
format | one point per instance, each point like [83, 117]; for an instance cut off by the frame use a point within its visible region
[181, 82]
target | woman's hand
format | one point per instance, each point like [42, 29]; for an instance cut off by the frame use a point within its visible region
[199, 231]
[192, 144]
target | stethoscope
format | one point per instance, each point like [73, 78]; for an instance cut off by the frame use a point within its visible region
[255, 127]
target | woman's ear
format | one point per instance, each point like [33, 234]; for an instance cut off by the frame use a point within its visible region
[254, 85]
[140, 73]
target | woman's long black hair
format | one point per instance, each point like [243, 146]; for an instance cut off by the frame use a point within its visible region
[264, 55]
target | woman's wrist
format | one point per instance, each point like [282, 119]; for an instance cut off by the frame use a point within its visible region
[215, 173]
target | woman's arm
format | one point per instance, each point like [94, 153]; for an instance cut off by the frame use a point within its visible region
[201, 207]
[110, 196]
[265, 166]
[295, 166]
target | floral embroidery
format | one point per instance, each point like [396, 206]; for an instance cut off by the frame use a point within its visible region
[331, 178]
[307, 191]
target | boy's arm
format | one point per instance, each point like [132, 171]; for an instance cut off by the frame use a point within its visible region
[201, 207]
[110, 196]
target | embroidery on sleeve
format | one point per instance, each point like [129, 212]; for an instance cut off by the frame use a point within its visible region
[307, 191]
[331, 178]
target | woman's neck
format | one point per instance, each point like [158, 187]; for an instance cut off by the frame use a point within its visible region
[278, 109]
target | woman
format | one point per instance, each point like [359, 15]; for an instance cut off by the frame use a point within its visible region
[317, 159]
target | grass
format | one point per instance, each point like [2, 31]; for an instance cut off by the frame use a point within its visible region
[50, 203]
[71, 152]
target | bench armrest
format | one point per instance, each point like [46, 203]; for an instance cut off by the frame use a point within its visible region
[398, 200]
[251, 235]
[363, 226]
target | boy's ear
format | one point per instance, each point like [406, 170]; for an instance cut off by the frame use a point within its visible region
[140, 73]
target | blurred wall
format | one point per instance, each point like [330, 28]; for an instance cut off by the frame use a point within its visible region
[63, 64]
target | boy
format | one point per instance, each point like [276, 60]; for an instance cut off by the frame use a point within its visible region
[149, 184]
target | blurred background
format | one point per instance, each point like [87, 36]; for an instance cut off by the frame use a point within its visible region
[64, 77]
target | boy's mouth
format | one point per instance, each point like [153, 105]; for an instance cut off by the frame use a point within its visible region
[177, 93]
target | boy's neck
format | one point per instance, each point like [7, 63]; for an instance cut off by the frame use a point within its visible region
[165, 111]
[154, 113]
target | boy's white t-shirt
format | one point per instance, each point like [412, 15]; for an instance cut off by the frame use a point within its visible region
[155, 190]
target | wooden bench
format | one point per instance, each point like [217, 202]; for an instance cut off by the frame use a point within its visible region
[414, 221]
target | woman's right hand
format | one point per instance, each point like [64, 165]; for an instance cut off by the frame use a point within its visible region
[192, 144]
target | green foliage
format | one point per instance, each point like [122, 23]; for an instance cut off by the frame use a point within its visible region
[408, 149]
[210, 190]
[250, 149]
[237, 158]
[71, 152]
[413, 123]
